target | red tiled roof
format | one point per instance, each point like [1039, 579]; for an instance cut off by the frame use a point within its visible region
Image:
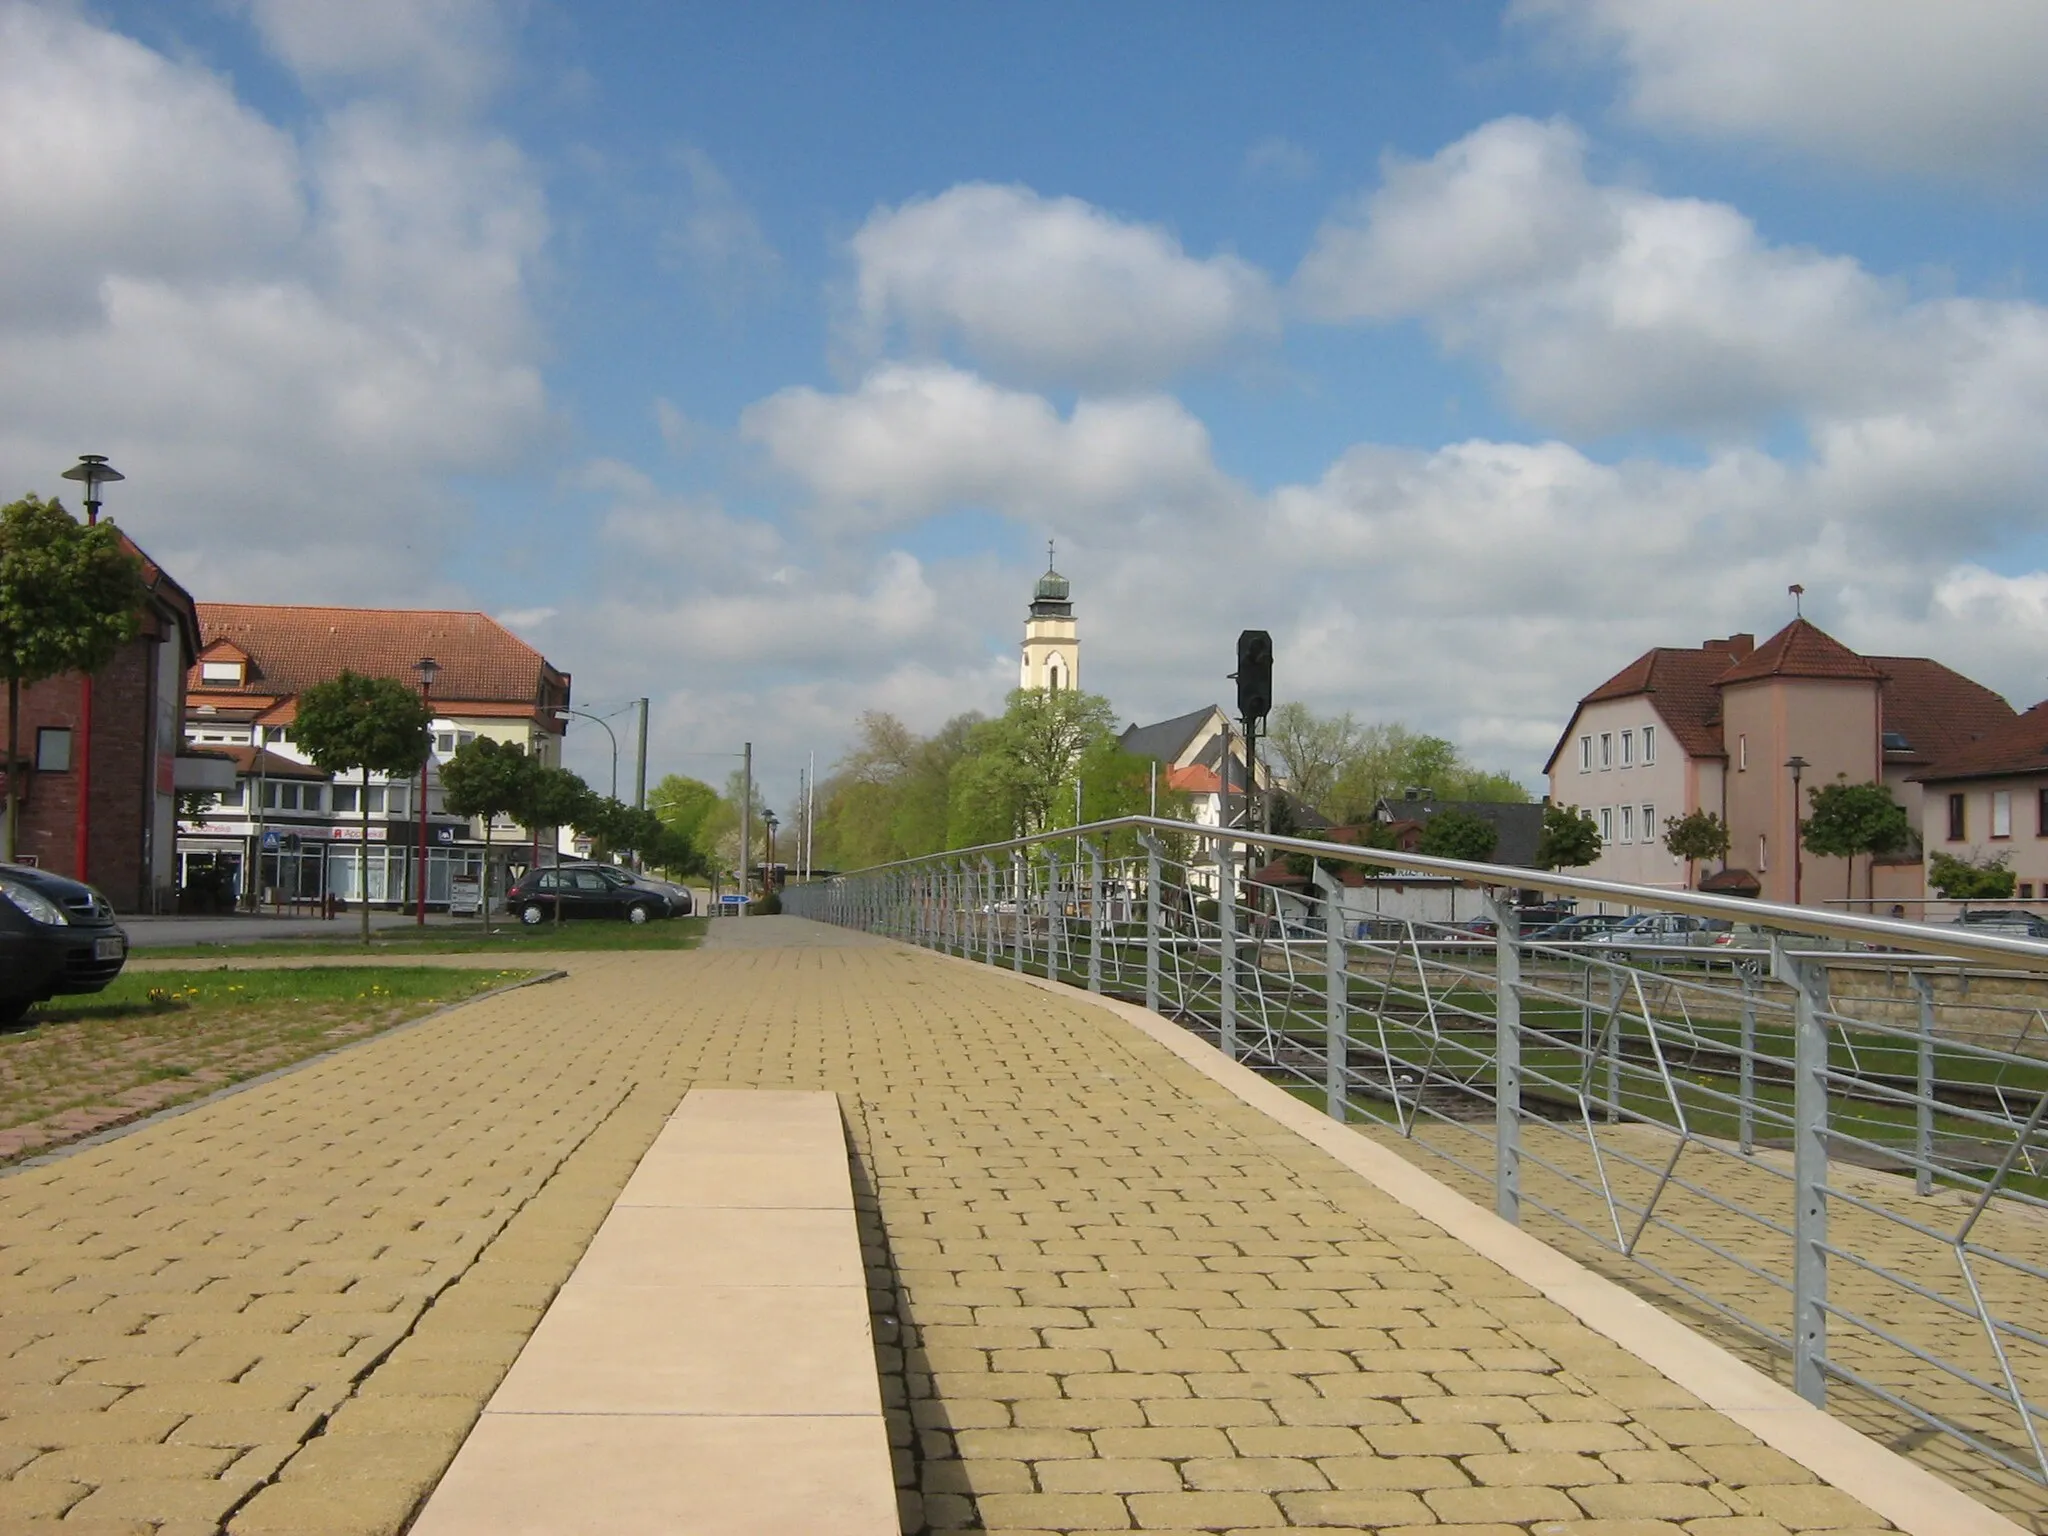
[1940, 713]
[2017, 747]
[1195, 779]
[291, 648]
[1682, 683]
[1800, 649]
[248, 760]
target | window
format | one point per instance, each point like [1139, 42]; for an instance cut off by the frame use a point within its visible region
[1628, 749]
[1606, 749]
[2026, 890]
[2001, 813]
[1649, 823]
[1586, 761]
[1649, 745]
[229, 672]
[1606, 823]
[2041, 816]
[233, 796]
[446, 742]
[288, 795]
[397, 799]
[1628, 823]
[1958, 819]
[53, 749]
[1742, 754]
[1763, 854]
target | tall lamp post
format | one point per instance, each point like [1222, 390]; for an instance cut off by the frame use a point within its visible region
[1798, 765]
[428, 669]
[94, 470]
[768, 862]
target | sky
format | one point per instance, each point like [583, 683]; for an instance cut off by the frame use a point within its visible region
[746, 357]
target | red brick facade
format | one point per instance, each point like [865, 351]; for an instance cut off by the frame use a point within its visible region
[138, 710]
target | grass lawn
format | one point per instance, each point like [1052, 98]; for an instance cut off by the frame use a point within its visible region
[76, 1066]
[508, 938]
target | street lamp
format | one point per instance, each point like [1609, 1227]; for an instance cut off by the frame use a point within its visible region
[562, 712]
[94, 470]
[1798, 765]
[428, 669]
[768, 864]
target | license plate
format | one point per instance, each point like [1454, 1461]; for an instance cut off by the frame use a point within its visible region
[109, 949]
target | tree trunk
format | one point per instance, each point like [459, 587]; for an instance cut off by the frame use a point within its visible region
[558, 879]
[13, 756]
[363, 857]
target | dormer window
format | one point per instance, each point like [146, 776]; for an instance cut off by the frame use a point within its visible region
[229, 673]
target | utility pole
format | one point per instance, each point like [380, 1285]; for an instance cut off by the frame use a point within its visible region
[810, 808]
[640, 768]
[746, 827]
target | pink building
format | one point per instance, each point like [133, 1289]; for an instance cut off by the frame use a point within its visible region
[1714, 728]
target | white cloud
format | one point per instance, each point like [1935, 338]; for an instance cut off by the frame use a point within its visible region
[1943, 89]
[440, 55]
[914, 440]
[716, 233]
[1050, 290]
[285, 349]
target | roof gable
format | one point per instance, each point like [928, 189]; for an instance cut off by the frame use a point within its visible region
[1169, 740]
[1680, 684]
[2020, 746]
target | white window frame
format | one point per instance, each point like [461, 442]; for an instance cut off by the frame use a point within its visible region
[1606, 750]
[1628, 749]
[1606, 824]
[1628, 824]
[221, 672]
[1742, 753]
[1649, 822]
[2001, 813]
[1585, 754]
[1649, 745]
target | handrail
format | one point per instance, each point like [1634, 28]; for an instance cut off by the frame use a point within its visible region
[1919, 937]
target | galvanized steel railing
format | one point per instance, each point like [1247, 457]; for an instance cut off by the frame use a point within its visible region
[1822, 1128]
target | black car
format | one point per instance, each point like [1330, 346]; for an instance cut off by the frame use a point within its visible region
[56, 936]
[584, 890]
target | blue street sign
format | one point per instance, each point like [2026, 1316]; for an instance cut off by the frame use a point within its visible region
[270, 841]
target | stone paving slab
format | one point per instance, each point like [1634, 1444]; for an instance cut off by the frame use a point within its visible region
[1107, 1294]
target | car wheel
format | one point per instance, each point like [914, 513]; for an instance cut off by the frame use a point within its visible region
[533, 914]
[12, 1008]
[639, 912]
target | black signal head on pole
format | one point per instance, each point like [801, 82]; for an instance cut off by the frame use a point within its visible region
[1254, 674]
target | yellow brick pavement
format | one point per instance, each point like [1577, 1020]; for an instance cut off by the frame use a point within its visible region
[1108, 1295]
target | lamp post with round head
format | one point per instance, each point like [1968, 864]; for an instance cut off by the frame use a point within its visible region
[769, 822]
[94, 470]
[1798, 765]
[428, 669]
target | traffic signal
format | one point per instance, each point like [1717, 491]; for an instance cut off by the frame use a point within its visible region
[1254, 674]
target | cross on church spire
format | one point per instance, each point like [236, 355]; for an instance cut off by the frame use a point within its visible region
[1048, 554]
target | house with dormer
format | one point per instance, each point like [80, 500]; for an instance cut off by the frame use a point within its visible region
[1717, 727]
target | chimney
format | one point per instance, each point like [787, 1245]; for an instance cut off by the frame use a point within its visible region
[1735, 647]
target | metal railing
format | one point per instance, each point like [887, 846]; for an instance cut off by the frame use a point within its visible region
[1821, 1129]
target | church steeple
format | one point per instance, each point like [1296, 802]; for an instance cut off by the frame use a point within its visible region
[1052, 646]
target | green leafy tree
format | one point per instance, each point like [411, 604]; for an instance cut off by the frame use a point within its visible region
[70, 596]
[1694, 836]
[1850, 819]
[1312, 750]
[688, 808]
[1456, 834]
[486, 779]
[557, 798]
[368, 724]
[1570, 838]
[1960, 879]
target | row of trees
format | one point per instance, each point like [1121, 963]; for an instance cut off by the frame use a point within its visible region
[366, 725]
[1342, 769]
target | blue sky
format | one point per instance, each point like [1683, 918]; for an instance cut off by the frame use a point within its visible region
[745, 357]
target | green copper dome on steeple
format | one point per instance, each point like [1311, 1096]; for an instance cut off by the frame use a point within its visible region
[1052, 587]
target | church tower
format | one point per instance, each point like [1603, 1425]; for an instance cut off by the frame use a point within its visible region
[1052, 647]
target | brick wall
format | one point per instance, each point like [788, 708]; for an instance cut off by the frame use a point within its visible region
[123, 776]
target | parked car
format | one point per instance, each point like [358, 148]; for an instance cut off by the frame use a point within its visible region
[1576, 929]
[680, 902]
[1660, 930]
[2007, 921]
[57, 937]
[584, 890]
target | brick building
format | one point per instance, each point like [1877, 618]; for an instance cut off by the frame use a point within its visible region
[138, 705]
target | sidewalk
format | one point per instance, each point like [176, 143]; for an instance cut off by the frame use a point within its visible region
[1108, 1294]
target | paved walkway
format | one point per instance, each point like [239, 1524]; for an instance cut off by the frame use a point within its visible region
[1108, 1294]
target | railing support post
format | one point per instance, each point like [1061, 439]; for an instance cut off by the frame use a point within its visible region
[1336, 1000]
[1055, 915]
[1094, 915]
[1226, 946]
[1923, 1109]
[988, 911]
[1507, 1058]
[1745, 1109]
[1809, 983]
[1019, 903]
[1151, 920]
